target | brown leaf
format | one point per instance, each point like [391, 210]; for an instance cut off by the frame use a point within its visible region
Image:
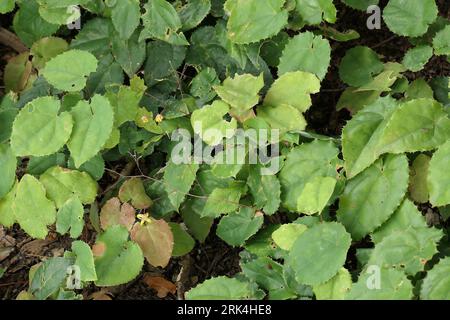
[162, 286]
[100, 295]
[98, 249]
[113, 214]
[155, 240]
[35, 247]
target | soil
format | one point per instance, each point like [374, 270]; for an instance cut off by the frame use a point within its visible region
[214, 257]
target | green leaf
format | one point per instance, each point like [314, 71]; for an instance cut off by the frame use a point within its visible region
[203, 83]
[178, 180]
[183, 242]
[286, 235]
[417, 125]
[93, 123]
[394, 285]
[360, 4]
[222, 201]
[49, 277]
[161, 21]
[133, 190]
[418, 186]
[228, 163]
[407, 215]
[265, 189]
[359, 66]
[84, 260]
[220, 288]
[69, 70]
[336, 288]
[39, 129]
[408, 250]
[94, 167]
[95, 37]
[117, 260]
[441, 42]
[438, 177]
[371, 198]
[410, 18]
[156, 241]
[193, 12]
[236, 228]
[7, 216]
[283, 118]
[209, 124]
[416, 58]
[163, 60]
[254, 20]
[198, 226]
[71, 217]
[47, 48]
[8, 165]
[62, 184]
[60, 11]
[30, 194]
[293, 89]
[362, 134]
[314, 11]
[130, 53]
[319, 253]
[268, 274]
[316, 195]
[241, 93]
[306, 52]
[8, 113]
[436, 285]
[304, 164]
[418, 89]
[126, 17]
[7, 6]
[29, 25]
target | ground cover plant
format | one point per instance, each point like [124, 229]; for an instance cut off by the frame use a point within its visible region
[224, 149]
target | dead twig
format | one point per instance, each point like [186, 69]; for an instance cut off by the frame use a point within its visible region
[11, 40]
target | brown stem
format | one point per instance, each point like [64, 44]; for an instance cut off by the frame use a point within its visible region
[11, 40]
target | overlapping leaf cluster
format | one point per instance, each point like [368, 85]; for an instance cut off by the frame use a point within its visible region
[78, 108]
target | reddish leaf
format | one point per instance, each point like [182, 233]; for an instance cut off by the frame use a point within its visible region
[113, 214]
[155, 240]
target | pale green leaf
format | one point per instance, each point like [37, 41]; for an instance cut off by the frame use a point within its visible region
[241, 92]
[93, 123]
[39, 129]
[220, 288]
[62, 184]
[294, 89]
[209, 124]
[304, 164]
[126, 17]
[416, 58]
[441, 42]
[436, 285]
[336, 288]
[314, 11]
[71, 217]
[84, 260]
[410, 17]
[178, 180]
[418, 185]
[286, 235]
[117, 260]
[254, 20]
[69, 70]
[439, 177]
[306, 52]
[133, 190]
[319, 253]
[30, 196]
[8, 165]
[316, 195]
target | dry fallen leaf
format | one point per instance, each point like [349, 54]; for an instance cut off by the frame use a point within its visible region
[100, 295]
[162, 286]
